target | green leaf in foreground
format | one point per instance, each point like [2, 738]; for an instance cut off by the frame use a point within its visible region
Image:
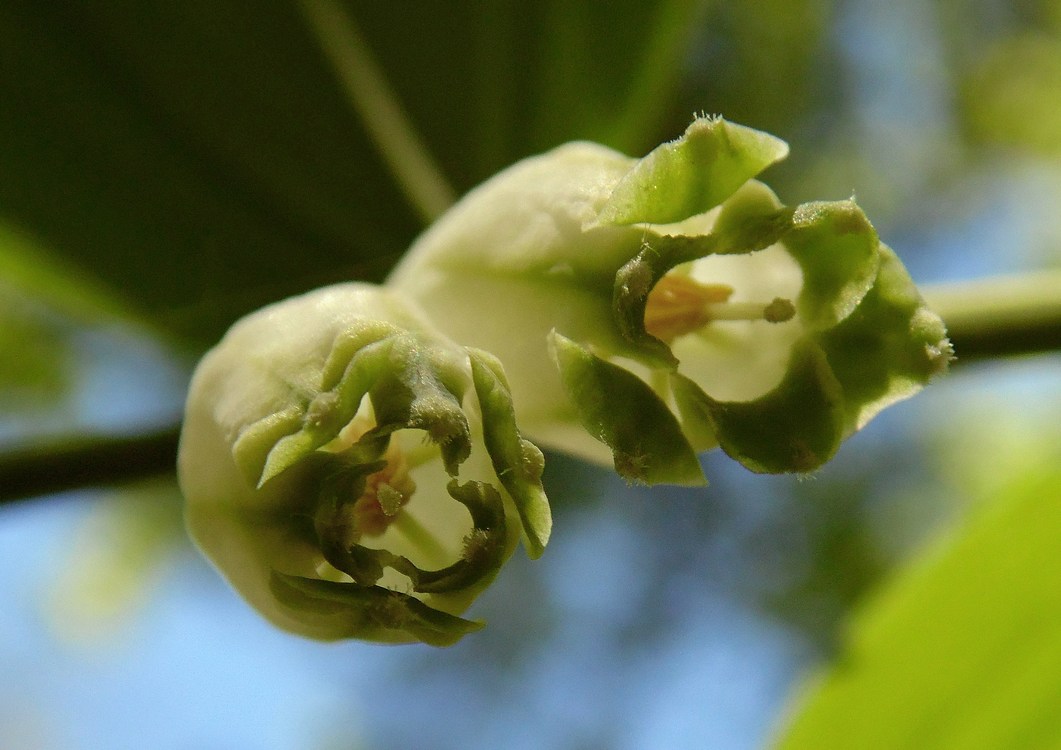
[964, 649]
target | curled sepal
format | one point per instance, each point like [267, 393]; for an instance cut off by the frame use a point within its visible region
[321, 443]
[839, 253]
[410, 385]
[889, 347]
[623, 412]
[796, 427]
[483, 551]
[372, 613]
[518, 462]
[692, 174]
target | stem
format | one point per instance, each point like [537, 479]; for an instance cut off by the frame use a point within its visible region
[1000, 316]
[77, 463]
[369, 94]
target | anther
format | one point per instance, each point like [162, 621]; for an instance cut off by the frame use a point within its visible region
[679, 305]
[386, 491]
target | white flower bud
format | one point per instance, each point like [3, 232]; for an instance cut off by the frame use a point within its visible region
[320, 455]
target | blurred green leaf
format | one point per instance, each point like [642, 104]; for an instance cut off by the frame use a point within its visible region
[118, 559]
[35, 271]
[768, 64]
[38, 300]
[34, 364]
[183, 152]
[1006, 60]
[963, 650]
[201, 157]
[1012, 97]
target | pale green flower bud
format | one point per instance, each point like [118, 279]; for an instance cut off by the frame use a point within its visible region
[319, 459]
[671, 304]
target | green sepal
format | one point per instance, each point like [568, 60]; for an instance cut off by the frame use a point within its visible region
[889, 347]
[694, 410]
[484, 551]
[411, 385]
[838, 250]
[796, 427]
[752, 217]
[370, 612]
[623, 412]
[347, 345]
[419, 390]
[692, 174]
[328, 411]
[517, 462]
[251, 449]
[634, 282]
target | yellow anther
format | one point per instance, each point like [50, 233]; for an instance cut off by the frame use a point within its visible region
[679, 305]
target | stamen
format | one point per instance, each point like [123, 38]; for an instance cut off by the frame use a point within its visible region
[386, 491]
[777, 311]
[679, 305]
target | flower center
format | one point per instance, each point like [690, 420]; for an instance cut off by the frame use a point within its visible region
[386, 491]
[679, 305]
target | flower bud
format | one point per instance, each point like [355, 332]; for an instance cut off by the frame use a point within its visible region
[664, 306]
[319, 459]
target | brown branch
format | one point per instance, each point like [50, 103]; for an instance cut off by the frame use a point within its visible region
[86, 461]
